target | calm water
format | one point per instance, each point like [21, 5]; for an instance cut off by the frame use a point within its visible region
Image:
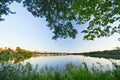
[61, 61]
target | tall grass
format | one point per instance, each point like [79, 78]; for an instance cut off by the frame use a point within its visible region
[10, 71]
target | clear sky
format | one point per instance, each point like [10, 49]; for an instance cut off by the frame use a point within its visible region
[28, 32]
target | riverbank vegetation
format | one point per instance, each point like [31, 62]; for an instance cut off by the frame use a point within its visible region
[19, 54]
[109, 54]
[19, 71]
[10, 71]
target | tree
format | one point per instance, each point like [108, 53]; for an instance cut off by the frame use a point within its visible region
[18, 49]
[4, 7]
[61, 14]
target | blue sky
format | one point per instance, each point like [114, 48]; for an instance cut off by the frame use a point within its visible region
[28, 32]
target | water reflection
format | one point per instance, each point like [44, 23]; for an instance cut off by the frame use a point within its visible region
[61, 61]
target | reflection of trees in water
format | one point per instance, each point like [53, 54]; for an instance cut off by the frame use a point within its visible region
[17, 55]
[20, 59]
[109, 54]
[52, 54]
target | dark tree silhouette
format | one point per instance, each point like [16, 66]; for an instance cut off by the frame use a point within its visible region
[61, 14]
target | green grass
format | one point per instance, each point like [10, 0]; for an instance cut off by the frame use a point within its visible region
[10, 71]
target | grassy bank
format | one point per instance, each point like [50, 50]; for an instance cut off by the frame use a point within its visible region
[10, 71]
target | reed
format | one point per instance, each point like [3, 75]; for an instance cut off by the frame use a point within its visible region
[12, 71]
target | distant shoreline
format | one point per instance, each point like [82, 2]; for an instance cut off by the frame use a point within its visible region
[109, 54]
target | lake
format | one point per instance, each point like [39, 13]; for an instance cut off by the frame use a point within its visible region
[61, 61]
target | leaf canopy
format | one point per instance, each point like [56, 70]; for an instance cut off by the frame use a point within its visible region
[62, 14]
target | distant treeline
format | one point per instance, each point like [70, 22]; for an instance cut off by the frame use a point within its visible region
[19, 54]
[109, 54]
